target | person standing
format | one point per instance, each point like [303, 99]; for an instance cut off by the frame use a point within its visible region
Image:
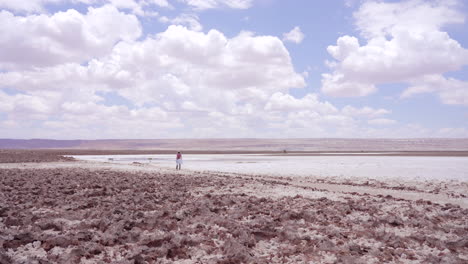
[178, 161]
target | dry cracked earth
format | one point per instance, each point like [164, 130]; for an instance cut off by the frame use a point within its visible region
[82, 215]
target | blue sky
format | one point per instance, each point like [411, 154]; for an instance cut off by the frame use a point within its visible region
[233, 68]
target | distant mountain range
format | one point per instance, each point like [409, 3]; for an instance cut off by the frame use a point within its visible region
[335, 144]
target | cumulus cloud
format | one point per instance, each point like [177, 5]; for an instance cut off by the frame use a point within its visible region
[185, 64]
[382, 121]
[134, 6]
[404, 41]
[27, 6]
[376, 19]
[137, 6]
[179, 82]
[295, 35]
[113, 121]
[143, 8]
[189, 20]
[337, 84]
[450, 90]
[162, 3]
[184, 82]
[26, 106]
[364, 111]
[59, 114]
[453, 132]
[205, 79]
[210, 4]
[42, 40]
[285, 102]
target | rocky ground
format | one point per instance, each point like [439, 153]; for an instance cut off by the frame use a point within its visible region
[19, 155]
[84, 214]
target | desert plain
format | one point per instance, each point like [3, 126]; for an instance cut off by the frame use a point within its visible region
[57, 209]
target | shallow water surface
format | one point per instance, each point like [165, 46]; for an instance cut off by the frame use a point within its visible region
[375, 167]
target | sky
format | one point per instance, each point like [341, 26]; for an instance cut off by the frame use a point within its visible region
[101, 69]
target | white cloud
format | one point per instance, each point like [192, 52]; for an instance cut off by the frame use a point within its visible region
[450, 90]
[42, 40]
[287, 103]
[205, 79]
[350, 3]
[26, 106]
[404, 42]
[27, 6]
[143, 8]
[452, 132]
[9, 124]
[210, 4]
[184, 64]
[161, 3]
[382, 122]
[295, 35]
[133, 5]
[364, 111]
[84, 120]
[137, 7]
[376, 19]
[60, 114]
[189, 20]
[337, 84]
[179, 82]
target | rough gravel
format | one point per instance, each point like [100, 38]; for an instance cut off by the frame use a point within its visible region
[19, 156]
[83, 215]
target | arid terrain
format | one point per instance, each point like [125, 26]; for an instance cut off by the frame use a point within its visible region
[245, 145]
[55, 210]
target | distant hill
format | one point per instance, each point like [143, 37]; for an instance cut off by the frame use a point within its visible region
[37, 143]
[334, 144]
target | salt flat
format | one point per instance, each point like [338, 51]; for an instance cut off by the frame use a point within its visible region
[344, 167]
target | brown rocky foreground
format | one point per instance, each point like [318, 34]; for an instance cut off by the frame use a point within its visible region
[19, 155]
[84, 214]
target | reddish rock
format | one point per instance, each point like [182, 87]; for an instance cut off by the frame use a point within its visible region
[19, 240]
[155, 217]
